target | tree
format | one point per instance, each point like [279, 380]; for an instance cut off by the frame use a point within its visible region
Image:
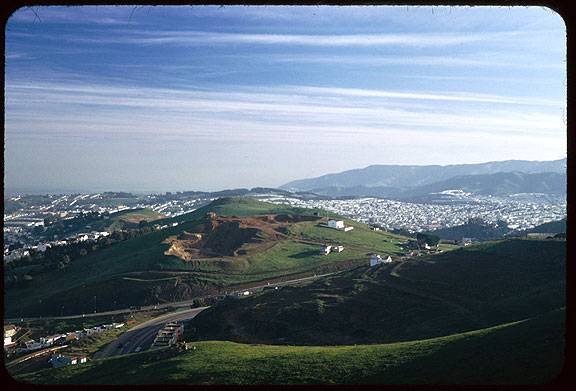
[431, 240]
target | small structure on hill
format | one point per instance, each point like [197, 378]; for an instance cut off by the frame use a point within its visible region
[59, 360]
[376, 259]
[331, 249]
[339, 225]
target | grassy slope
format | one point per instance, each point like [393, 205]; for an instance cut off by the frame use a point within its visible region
[550, 227]
[457, 291]
[131, 217]
[101, 273]
[522, 352]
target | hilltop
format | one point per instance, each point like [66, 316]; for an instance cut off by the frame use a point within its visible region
[143, 270]
[424, 297]
[529, 351]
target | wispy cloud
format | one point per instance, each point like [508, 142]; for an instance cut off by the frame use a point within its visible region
[160, 37]
[454, 96]
[306, 112]
[478, 60]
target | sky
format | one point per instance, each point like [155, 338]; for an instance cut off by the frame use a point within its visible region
[166, 98]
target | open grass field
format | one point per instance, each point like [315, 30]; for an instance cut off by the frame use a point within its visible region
[524, 352]
[96, 281]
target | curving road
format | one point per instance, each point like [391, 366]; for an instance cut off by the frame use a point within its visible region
[179, 304]
[142, 336]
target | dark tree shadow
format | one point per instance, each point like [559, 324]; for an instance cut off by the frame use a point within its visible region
[304, 254]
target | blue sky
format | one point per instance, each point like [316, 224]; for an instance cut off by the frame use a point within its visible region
[208, 98]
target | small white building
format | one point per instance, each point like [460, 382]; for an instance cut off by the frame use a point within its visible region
[326, 250]
[10, 330]
[338, 248]
[336, 224]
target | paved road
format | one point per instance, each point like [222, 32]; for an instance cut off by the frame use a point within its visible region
[178, 304]
[142, 336]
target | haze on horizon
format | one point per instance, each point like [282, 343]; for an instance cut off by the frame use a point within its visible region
[208, 98]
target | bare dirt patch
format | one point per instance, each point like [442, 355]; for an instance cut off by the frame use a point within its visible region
[232, 236]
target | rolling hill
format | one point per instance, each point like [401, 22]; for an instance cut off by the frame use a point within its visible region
[487, 314]
[398, 176]
[529, 351]
[139, 271]
[497, 184]
[474, 228]
[424, 297]
[558, 226]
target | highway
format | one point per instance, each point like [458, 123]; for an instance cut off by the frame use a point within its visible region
[141, 337]
[178, 304]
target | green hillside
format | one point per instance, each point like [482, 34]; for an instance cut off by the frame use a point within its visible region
[137, 272]
[424, 297]
[558, 226]
[525, 352]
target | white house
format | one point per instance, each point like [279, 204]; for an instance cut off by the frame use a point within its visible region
[338, 248]
[337, 224]
[326, 250]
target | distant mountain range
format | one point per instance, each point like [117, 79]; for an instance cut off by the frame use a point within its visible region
[396, 181]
